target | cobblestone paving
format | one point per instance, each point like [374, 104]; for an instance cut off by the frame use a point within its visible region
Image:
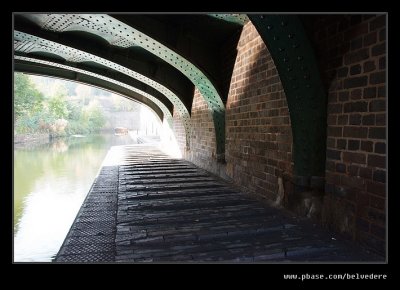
[168, 210]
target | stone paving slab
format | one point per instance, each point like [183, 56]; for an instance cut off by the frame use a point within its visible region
[152, 208]
[91, 238]
[171, 211]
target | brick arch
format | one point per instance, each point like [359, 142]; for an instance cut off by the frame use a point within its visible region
[293, 55]
[259, 137]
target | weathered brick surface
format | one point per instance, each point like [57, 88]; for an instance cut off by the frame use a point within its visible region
[179, 131]
[203, 147]
[258, 132]
[351, 51]
[356, 127]
[169, 210]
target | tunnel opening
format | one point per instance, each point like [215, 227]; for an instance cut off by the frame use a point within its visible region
[303, 125]
[62, 132]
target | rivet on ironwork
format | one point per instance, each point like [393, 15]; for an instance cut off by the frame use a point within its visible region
[285, 59]
[269, 27]
[262, 16]
[289, 69]
[283, 23]
[299, 58]
[276, 37]
[290, 35]
[281, 49]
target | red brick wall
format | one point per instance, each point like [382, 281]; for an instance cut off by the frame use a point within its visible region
[202, 136]
[351, 51]
[258, 132]
[203, 146]
[179, 131]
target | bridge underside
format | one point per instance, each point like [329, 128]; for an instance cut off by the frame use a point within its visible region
[162, 57]
[165, 57]
[292, 108]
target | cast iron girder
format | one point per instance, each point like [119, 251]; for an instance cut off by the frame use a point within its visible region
[193, 44]
[27, 43]
[65, 55]
[43, 70]
[48, 68]
[100, 72]
[120, 34]
[74, 32]
[296, 64]
[176, 39]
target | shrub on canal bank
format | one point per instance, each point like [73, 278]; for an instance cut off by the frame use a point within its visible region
[52, 112]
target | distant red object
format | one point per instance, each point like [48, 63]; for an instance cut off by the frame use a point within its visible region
[120, 131]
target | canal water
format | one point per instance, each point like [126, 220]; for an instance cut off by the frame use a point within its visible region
[50, 183]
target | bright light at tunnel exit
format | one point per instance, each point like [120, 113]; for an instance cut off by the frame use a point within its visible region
[140, 120]
[169, 144]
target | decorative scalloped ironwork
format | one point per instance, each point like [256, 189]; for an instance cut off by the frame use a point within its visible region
[120, 34]
[75, 55]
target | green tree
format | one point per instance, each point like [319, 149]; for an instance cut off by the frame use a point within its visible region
[27, 98]
[74, 111]
[57, 103]
[93, 115]
[42, 105]
[58, 107]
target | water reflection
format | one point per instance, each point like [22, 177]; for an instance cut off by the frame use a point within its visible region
[50, 184]
[59, 146]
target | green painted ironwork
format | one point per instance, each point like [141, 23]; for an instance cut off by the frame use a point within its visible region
[240, 19]
[27, 43]
[163, 108]
[296, 64]
[120, 34]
